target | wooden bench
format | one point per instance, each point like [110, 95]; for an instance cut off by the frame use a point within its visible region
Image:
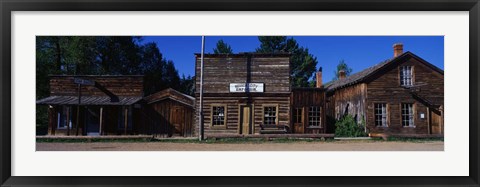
[274, 129]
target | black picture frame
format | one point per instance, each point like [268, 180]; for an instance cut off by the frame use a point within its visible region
[7, 6]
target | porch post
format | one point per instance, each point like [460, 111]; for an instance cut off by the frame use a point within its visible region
[68, 120]
[101, 120]
[126, 120]
[51, 120]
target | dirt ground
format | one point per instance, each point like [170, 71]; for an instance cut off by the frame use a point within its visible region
[264, 146]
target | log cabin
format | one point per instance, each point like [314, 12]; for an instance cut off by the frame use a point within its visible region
[401, 96]
[114, 105]
[250, 93]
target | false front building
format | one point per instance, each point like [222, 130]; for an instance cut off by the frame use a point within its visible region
[250, 93]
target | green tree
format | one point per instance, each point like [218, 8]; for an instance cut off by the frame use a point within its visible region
[342, 66]
[302, 63]
[187, 85]
[100, 55]
[222, 48]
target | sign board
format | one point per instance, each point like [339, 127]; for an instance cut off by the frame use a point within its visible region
[242, 87]
[84, 81]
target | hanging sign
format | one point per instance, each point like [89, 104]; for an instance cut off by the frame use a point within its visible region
[83, 81]
[242, 87]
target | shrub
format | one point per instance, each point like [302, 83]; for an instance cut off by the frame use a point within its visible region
[348, 127]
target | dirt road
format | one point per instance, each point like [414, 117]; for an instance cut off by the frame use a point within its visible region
[266, 146]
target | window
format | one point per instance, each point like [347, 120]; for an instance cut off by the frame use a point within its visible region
[62, 118]
[406, 76]
[407, 115]
[381, 115]
[218, 115]
[297, 115]
[314, 117]
[270, 115]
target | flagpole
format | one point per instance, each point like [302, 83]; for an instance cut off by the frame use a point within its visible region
[200, 114]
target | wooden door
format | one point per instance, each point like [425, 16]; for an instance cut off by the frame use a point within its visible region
[435, 122]
[298, 121]
[245, 116]
[178, 120]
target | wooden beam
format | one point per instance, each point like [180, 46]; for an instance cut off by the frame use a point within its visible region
[126, 120]
[68, 121]
[101, 120]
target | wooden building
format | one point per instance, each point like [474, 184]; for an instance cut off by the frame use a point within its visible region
[109, 105]
[115, 105]
[401, 96]
[268, 105]
[170, 113]
[244, 93]
[308, 109]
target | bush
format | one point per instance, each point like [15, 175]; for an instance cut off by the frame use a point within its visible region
[348, 127]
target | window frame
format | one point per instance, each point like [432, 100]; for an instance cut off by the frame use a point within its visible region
[276, 113]
[225, 116]
[319, 116]
[413, 115]
[387, 116]
[412, 75]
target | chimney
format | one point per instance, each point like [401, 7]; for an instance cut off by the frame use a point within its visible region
[319, 78]
[397, 49]
[341, 74]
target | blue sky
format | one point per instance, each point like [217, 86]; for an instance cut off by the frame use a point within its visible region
[359, 52]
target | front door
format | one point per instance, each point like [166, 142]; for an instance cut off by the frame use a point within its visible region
[92, 120]
[298, 121]
[435, 122]
[245, 119]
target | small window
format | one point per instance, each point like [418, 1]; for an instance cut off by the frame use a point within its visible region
[407, 115]
[270, 115]
[381, 115]
[314, 116]
[297, 115]
[218, 115]
[406, 76]
[62, 118]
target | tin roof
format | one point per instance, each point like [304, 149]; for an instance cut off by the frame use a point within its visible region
[88, 100]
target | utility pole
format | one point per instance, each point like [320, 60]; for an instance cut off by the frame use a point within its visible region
[200, 114]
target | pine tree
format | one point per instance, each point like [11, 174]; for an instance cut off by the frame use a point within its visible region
[302, 63]
[222, 48]
[342, 66]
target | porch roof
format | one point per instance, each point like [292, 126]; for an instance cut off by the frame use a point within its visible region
[88, 100]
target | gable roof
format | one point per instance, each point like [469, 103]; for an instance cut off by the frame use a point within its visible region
[373, 70]
[172, 94]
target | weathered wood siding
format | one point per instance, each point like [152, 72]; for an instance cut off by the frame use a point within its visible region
[221, 70]
[386, 89]
[349, 101]
[118, 85]
[232, 111]
[305, 98]
[167, 118]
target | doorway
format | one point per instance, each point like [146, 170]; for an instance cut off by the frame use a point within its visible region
[435, 122]
[245, 119]
[298, 121]
[92, 120]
